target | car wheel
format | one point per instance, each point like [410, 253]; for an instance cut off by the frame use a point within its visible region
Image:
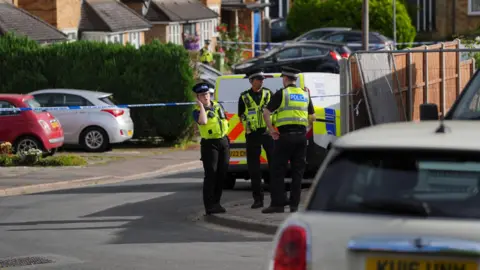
[26, 143]
[230, 182]
[52, 152]
[94, 139]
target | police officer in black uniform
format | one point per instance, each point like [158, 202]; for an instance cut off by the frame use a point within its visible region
[250, 111]
[215, 147]
[295, 113]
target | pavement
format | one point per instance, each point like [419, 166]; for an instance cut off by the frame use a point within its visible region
[123, 165]
[240, 216]
[150, 223]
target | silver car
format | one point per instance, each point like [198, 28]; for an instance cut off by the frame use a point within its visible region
[94, 129]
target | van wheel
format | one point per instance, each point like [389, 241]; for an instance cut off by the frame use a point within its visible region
[229, 183]
[52, 152]
[26, 143]
[94, 139]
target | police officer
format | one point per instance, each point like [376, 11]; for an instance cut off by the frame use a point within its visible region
[206, 56]
[215, 148]
[250, 111]
[295, 113]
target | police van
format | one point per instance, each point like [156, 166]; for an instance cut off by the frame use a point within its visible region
[325, 91]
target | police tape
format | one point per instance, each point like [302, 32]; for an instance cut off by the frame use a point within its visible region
[126, 106]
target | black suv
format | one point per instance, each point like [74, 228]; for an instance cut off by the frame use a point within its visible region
[307, 56]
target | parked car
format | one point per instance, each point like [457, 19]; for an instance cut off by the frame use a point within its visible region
[353, 39]
[392, 196]
[94, 129]
[28, 129]
[317, 34]
[307, 57]
[208, 74]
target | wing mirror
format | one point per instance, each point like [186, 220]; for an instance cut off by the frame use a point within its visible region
[428, 111]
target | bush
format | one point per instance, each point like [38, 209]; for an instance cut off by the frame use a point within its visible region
[306, 15]
[37, 160]
[155, 73]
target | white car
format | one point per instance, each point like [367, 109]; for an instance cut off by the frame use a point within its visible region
[401, 196]
[94, 129]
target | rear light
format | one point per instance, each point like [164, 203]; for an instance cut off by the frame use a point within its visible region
[335, 55]
[345, 55]
[45, 126]
[114, 112]
[292, 251]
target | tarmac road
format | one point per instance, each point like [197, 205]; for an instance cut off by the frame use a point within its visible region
[146, 224]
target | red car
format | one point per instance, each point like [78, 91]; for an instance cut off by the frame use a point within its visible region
[28, 129]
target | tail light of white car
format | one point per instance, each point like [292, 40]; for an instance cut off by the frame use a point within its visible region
[292, 248]
[114, 112]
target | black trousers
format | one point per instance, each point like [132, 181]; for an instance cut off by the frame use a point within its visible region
[215, 156]
[293, 147]
[255, 141]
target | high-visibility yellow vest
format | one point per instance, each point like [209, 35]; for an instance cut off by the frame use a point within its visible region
[294, 107]
[205, 56]
[253, 115]
[217, 123]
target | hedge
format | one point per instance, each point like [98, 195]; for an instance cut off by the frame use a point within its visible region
[306, 15]
[152, 74]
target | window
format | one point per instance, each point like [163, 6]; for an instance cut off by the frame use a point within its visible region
[315, 35]
[288, 54]
[134, 39]
[189, 29]
[401, 182]
[474, 7]
[205, 28]
[215, 22]
[7, 105]
[32, 103]
[115, 39]
[59, 100]
[335, 38]
[174, 34]
[313, 51]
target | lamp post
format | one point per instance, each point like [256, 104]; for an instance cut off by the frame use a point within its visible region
[365, 25]
[395, 22]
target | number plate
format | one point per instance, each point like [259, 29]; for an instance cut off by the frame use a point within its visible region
[418, 264]
[238, 153]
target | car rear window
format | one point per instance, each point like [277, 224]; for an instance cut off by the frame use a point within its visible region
[436, 183]
[33, 103]
[109, 100]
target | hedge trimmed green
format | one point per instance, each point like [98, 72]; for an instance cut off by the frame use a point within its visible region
[152, 74]
[306, 15]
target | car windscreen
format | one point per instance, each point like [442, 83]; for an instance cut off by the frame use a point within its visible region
[400, 182]
[33, 103]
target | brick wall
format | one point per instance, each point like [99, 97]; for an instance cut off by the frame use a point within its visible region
[158, 31]
[68, 14]
[45, 9]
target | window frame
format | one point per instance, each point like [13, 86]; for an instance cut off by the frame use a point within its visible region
[470, 9]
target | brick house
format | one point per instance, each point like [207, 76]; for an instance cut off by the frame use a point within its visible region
[441, 19]
[172, 20]
[20, 22]
[102, 20]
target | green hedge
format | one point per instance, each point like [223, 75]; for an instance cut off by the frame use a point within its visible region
[152, 74]
[306, 15]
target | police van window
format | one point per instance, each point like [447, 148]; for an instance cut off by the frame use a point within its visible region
[230, 90]
[426, 183]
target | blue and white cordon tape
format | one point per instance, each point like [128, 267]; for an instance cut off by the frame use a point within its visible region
[67, 108]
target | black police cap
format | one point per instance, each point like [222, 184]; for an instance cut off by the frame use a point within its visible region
[255, 74]
[200, 88]
[290, 72]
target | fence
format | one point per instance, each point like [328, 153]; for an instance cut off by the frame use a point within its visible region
[389, 86]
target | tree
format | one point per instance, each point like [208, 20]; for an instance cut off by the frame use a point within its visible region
[306, 15]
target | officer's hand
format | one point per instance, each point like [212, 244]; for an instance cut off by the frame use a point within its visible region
[199, 103]
[275, 134]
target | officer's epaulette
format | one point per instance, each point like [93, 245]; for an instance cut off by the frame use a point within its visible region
[244, 92]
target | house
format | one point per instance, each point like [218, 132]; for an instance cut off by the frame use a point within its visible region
[176, 20]
[102, 20]
[442, 19]
[20, 22]
[250, 13]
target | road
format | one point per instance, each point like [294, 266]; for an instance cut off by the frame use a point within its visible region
[147, 224]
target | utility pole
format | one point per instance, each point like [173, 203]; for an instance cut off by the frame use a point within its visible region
[365, 25]
[395, 23]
